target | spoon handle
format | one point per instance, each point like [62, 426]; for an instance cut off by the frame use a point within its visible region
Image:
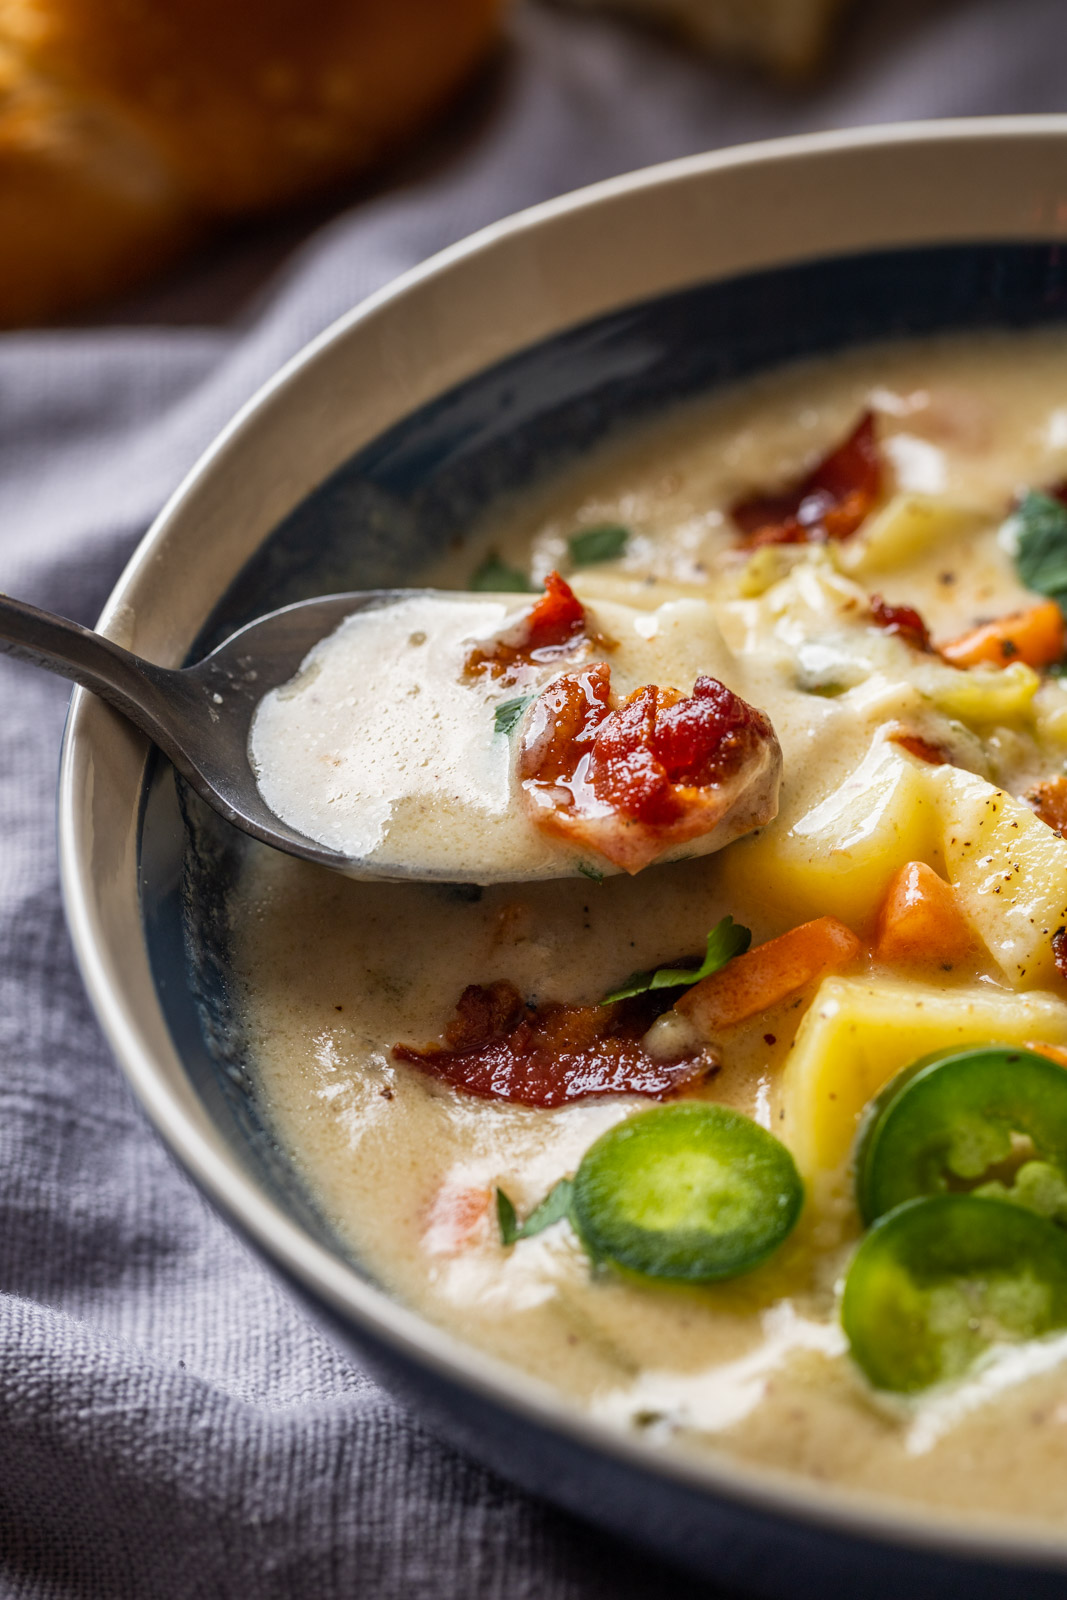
[132, 686]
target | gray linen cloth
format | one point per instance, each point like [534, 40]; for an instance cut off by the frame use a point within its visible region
[170, 1425]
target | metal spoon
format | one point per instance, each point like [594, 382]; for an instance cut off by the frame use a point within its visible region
[200, 716]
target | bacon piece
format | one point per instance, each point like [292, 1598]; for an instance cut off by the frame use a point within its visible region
[830, 503]
[916, 745]
[554, 626]
[498, 1048]
[904, 621]
[660, 769]
[1049, 800]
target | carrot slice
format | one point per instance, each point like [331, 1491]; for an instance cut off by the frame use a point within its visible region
[1055, 1052]
[920, 922]
[753, 982]
[454, 1218]
[1035, 636]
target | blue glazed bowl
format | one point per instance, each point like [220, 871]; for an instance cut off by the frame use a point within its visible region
[474, 376]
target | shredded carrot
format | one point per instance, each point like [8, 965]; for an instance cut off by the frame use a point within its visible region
[920, 922]
[1036, 637]
[753, 982]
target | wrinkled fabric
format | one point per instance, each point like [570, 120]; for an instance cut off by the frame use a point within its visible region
[170, 1424]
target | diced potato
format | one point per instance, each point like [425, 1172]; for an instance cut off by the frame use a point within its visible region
[767, 566]
[840, 857]
[980, 695]
[1050, 713]
[906, 528]
[1010, 873]
[859, 1032]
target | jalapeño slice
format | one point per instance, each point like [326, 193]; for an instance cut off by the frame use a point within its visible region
[937, 1281]
[947, 1122]
[691, 1192]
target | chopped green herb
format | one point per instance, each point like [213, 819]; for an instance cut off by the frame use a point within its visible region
[553, 1208]
[590, 872]
[603, 543]
[496, 577]
[726, 940]
[1041, 547]
[507, 715]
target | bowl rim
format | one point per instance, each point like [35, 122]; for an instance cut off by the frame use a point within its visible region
[329, 1280]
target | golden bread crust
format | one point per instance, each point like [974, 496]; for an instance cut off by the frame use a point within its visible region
[125, 125]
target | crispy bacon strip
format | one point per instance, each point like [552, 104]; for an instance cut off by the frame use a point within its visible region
[498, 1048]
[658, 770]
[904, 621]
[916, 745]
[830, 503]
[554, 626]
[1049, 801]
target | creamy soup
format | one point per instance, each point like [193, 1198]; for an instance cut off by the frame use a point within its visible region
[432, 778]
[866, 550]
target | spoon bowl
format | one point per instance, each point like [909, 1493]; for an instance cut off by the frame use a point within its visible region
[201, 716]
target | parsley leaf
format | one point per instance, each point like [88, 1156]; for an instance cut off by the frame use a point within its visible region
[590, 872]
[508, 713]
[496, 577]
[726, 940]
[1041, 548]
[553, 1208]
[603, 543]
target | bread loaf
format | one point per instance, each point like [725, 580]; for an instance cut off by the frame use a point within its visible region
[127, 126]
[786, 36]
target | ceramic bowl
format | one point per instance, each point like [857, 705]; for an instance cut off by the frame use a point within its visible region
[473, 375]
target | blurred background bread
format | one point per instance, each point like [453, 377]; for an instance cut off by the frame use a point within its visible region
[787, 37]
[127, 126]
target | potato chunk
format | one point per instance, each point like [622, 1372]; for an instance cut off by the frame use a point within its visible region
[905, 529]
[859, 1032]
[1010, 874]
[840, 857]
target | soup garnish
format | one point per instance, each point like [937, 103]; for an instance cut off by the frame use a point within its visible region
[938, 1282]
[687, 1193]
